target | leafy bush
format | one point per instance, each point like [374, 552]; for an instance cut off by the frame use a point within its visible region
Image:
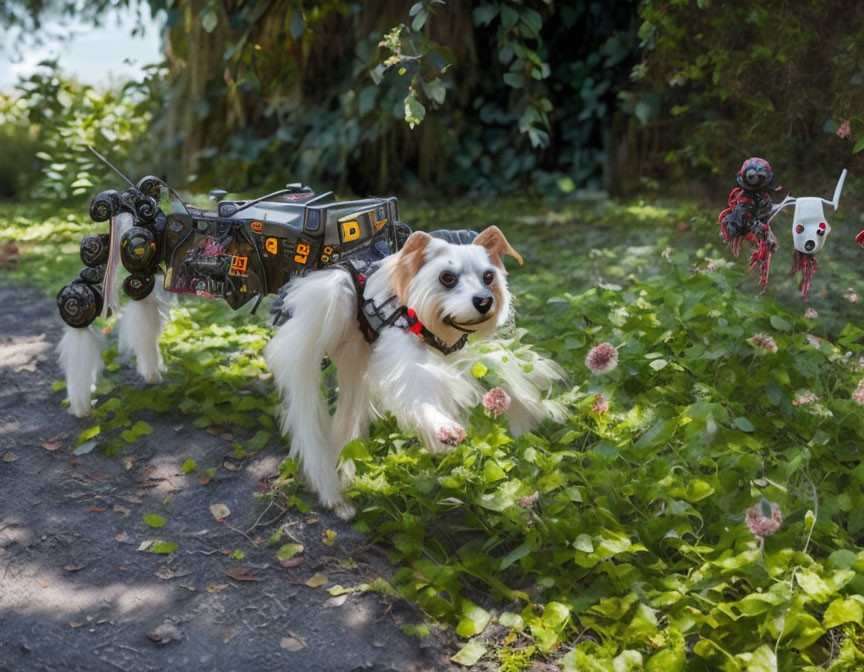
[719, 82]
[19, 149]
[52, 119]
[506, 98]
[616, 541]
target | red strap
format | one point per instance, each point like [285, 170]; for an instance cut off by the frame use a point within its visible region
[414, 325]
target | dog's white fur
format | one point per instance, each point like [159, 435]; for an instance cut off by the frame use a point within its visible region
[424, 389]
[139, 326]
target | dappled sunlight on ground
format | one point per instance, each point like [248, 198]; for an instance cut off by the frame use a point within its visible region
[31, 589]
[18, 354]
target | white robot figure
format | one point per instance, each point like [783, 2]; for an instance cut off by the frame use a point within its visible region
[809, 230]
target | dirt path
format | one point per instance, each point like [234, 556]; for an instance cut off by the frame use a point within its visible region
[77, 594]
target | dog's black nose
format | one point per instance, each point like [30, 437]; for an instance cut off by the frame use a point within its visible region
[483, 302]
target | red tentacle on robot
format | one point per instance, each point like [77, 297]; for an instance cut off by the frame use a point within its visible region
[751, 212]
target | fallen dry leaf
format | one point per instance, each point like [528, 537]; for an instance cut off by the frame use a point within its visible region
[9, 456]
[292, 562]
[215, 587]
[9, 254]
[213, 430]
[293, 642]
[164, 573]
[242, 574]
[121, 538]
[228, 436]
[167, 632]
[77, 624]
[96, 509]
[229, 465]
[317, 579]
[73, 567]
[121, 509]
[220, 511]
[132, 499]
[337, 601]
[144, 545]
[52, 444]
[129, 462]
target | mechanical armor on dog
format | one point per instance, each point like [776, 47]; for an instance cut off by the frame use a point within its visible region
[244, 250]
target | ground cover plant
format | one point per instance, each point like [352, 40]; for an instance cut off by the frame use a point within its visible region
[618, 540]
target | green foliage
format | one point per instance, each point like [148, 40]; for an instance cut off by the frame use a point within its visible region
[259, 92]
[719, 82]
[52, 119]
[619, 535]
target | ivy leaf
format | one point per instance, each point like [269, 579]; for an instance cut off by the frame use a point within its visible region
[812, 584]
[288, 551]
[414, 110]
[743, 424]
[474, 619]
[779, 323]
[483, 14]
[163, 547]
[298, 24]
[209, 19]
[154, 520]
[844, 610]
[316, 580]
[469, 654]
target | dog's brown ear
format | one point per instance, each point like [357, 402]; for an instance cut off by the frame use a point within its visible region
[411, 258]
[497, 246]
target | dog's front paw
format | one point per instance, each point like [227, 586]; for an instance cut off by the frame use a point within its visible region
[344, 510]
[153, 377]
[451, 434]
[446, 437]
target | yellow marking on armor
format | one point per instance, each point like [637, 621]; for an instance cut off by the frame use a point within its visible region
[380, 223]
[302, 253]
[257, 227]
[271, 245]
[238, 265]
[350, 231]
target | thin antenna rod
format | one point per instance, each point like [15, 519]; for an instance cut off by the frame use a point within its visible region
[108, 163]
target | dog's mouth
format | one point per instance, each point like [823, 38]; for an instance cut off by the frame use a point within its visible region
[465, 326]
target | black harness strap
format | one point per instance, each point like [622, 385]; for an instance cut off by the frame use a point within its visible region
[373, 318]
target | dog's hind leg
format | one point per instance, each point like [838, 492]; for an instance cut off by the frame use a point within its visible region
[139, 328]
[322, 306]
[80, 352]
[353, 411]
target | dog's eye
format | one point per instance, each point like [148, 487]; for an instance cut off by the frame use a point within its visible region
[488, 277]
[447, 279]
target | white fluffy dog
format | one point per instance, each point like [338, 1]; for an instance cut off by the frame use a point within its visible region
[416, 313]
[423, 301]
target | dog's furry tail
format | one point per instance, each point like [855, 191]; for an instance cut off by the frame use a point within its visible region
[80, 352]
[139, 328]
